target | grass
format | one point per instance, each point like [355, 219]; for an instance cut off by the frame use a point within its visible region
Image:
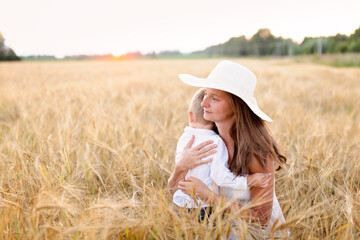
[341, 60]
[86, 148]
[333, 60]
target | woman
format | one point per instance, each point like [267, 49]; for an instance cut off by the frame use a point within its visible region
[230, 104]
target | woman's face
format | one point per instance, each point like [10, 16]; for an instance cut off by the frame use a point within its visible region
[216, 104]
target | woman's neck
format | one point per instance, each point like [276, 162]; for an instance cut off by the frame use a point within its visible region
[224, 132]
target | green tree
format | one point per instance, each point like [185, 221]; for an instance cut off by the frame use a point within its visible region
[308, 45]
[263, 42]
[6, 54]
[354, 41]
[337, 43]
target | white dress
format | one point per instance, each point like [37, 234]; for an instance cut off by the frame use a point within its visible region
[243, 198]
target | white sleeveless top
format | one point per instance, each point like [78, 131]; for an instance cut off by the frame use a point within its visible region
[243, 198]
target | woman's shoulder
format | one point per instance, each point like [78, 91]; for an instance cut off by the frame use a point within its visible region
[256, 167]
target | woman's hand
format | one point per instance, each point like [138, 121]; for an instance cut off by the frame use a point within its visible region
[191, 157]
[195, 188]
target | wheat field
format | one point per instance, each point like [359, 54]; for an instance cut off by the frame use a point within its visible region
[87, 147]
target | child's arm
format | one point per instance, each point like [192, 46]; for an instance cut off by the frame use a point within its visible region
[259, 180]
[221, 174]
[223, 177]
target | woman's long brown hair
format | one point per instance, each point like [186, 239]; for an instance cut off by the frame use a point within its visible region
[251, 138]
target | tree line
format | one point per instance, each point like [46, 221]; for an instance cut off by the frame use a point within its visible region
[264, 43]
[6, 53]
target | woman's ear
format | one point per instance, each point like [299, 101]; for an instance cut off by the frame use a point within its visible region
[191, 117]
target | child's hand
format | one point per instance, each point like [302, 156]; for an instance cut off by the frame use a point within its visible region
[259, 180]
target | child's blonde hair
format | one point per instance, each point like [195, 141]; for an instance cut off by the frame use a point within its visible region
[196, 108]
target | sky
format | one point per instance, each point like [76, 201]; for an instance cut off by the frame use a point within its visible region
[70, 27]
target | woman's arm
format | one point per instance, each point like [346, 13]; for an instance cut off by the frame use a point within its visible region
[190, 158]
[262, 198]
[174, 179]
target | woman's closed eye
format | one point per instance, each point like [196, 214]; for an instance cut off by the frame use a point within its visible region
[212, 97]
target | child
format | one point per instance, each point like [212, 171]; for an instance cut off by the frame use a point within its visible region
[215, 171]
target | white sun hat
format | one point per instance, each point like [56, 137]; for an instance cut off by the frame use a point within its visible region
[233, 78]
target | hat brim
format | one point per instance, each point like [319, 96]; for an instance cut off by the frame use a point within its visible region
[204, 82]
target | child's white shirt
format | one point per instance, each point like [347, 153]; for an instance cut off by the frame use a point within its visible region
[216, 171]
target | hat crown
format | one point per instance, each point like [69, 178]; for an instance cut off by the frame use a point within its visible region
[238, 76]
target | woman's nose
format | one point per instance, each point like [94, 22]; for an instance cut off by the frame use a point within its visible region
[205, 103]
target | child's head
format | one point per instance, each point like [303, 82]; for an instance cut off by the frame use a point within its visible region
[196, 111]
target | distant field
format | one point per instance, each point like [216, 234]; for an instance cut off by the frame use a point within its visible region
[86, 148]
[334, 60]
